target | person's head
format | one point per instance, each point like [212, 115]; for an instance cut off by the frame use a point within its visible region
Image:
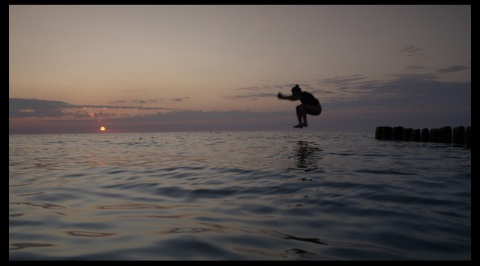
[296, 89]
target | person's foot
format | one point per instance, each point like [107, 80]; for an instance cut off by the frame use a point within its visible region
[298, 126]
[305, 124]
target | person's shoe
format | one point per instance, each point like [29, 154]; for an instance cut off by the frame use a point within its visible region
[298, 126]
[305, 124]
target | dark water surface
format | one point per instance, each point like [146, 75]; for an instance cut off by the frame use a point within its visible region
[298, 195]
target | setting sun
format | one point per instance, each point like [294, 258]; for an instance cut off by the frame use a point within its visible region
[102, 128]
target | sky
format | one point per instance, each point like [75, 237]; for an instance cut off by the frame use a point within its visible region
[144, 68]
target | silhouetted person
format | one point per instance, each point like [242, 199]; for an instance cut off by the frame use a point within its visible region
[310, 105]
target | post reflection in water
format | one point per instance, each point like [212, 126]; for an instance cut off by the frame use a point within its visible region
[307, 154]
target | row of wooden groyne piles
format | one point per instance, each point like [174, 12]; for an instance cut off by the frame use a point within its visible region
[458, 135]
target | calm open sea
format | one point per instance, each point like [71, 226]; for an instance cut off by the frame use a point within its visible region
[293, 195]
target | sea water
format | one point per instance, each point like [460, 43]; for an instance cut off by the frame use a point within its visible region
[293, 195]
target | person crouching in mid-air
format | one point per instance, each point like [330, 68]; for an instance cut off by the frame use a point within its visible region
[309, 105]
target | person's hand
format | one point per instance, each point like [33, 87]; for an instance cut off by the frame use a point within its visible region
[279, 95]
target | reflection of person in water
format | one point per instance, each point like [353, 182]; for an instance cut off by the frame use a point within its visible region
[309, 105]
[306, 159]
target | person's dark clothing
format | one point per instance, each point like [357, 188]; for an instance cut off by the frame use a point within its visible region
[308, 98]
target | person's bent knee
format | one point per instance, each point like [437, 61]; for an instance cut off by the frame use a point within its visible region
[317, 112]
[313, 110]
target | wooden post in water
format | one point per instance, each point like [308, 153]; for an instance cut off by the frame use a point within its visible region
[407, 132]
[424, 135]
[445, 135]
[387, 133]
[468, 136]
[383, 133]
[397, 133]
[433, 137]
[415, 135]
[378, 132]
[458, 135]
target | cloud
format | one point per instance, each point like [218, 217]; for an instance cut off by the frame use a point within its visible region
[57, 109]
[450, 69]
[352, 100]
[256, 92]
[409, 50]
[135, 102]
[418, 91]
[179, 99]
[37, 108]
[400, 91]
[253, 96]
[416, 68]
[265, 91]
[350, 81]
[200, 116]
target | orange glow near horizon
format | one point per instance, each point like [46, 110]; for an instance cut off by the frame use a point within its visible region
[102, 129]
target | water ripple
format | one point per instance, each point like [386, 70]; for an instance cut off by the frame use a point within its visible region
[293, 195]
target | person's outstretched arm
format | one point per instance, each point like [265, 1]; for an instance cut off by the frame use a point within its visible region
[289, 97]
